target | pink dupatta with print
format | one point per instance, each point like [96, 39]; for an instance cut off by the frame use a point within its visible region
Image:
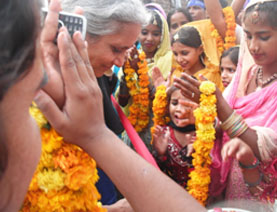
[258, 109]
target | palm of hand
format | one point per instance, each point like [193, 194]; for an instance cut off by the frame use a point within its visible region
[160, 140]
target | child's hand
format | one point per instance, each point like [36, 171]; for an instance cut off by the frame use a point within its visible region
[191, 138]
[160, 140]
[238, 149]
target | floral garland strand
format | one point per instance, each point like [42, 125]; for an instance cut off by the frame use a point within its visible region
[139, 91]
[230, 36]
[198, 185]
[65, 176]
[160, 108]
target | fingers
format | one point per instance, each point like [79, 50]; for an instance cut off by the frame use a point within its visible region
[157, 77]
[67, 62]
[189, 87]
[84, 67]
[49, 30]
[189, 104]
[189, 150]
[229, 150]
[158, 130]
[79, 10]
[184, 122]
[49, 109]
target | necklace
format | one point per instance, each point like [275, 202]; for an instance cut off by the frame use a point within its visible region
[262, 83]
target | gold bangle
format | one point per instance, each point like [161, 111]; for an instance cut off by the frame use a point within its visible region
[230, 121]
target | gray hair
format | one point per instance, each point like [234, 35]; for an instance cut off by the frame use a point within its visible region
[105, 16]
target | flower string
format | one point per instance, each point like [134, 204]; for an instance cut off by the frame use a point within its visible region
[139, 91]
[65, 176]
[160, 108]
[198, 185]
[230, 35]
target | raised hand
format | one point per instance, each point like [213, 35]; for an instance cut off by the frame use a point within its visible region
[50, 54]
[190, 138]
[160, 140]
[81, 118]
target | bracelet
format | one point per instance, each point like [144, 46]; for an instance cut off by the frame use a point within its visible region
[229, 121]
[234, 125]
[254, 165]
[255, 183]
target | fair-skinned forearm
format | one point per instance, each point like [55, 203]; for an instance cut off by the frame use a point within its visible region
[144, 186]
[214, 11]
[237, 6]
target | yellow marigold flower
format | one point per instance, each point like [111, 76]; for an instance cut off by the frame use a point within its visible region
[50, 140]
[50, 180]
[207, 87]
[37, 115]
[46, 160]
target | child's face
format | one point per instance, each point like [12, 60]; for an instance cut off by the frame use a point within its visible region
[177, 19]
[150, 38]
[187, 57]
[228, 70]
[177, 111]
[261, 41]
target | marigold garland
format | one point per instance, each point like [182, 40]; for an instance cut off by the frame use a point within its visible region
[138, 89]
[160, 108]
[230, 35]
[198, 185]
[65, 176]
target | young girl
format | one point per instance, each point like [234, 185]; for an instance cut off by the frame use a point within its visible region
[176, 18]
[190, 55]
[173, 143]
[228, 64]
[249, 116]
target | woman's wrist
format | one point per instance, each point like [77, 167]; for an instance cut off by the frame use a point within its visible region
[249, 163]
[223, 108]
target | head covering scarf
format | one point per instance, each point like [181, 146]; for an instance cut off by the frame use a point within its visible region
[198, 3]
[157, 7]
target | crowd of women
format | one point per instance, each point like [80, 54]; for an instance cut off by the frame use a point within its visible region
[198, 85]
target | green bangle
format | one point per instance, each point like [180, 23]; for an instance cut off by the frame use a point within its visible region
[255, 183]
[254, 165]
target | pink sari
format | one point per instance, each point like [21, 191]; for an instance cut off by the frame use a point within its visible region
[258, 109]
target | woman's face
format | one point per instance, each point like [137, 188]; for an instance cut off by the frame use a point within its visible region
[177, 19]
[261, 40]
[177, 111]
[228, 69]
[150, 38]
[187, 57]
[109, 50]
